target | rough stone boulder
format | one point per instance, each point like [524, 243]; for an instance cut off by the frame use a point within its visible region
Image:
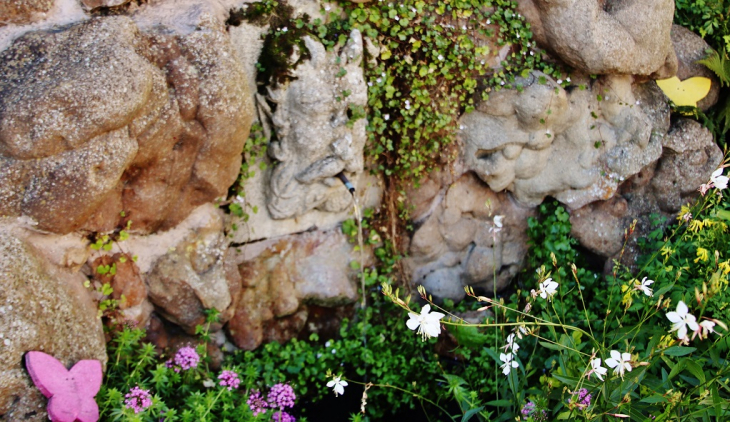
[93, 4]
[42, 308]
[690, 48]
[689, 157]
[99, 118]
[458, 242]
[576, 143]
[195, 275]
[283, 277]
[23, 11]
[606, 36]
[129, 288]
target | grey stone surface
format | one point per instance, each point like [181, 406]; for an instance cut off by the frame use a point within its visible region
[688, 159]
[606, 37]
[94, 4]
[690, 48]
[195, 275]
[574, 144]
[283, 277]
[247, 42]
[690, 156]
[44, 308]
[313, 140]
[458, 244]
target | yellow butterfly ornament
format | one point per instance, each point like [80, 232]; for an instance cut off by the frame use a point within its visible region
[686, 92]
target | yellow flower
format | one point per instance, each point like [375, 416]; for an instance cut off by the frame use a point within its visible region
[702, 255]
[685, 211]
[696, 225]
[666, 250]
[627, 298]
[725, 267]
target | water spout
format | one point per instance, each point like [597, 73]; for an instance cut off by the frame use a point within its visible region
[346, 182]
[358, 216]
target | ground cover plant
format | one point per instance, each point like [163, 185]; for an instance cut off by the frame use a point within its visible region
[652, 348]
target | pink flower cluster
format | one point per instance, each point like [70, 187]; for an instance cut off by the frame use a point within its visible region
[581, 399]
[281, 416]
[138, 399]
[185, 358]
[256, 403]
[281, 396]
[229, 379]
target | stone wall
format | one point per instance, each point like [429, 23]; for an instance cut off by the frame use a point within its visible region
[125, 122]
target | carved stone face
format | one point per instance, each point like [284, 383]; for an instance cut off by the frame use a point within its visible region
[313, 140]
[568, 144]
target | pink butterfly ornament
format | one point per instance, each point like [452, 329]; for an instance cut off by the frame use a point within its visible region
[71, 392]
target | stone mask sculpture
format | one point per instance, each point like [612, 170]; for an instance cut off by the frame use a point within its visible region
[315, 138]
[576, 145]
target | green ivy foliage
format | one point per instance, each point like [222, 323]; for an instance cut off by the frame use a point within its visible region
[709, 18]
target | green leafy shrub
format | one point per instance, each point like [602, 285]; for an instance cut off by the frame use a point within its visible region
[646, 346]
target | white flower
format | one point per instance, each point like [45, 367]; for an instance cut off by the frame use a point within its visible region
[327, 8]
[498, 221]
[548, 288]
[428, 323]
[567, 79]
[441, 57]
[510, 338]
[511, 344]
[718, 180]
[706, 327]
[386, 116]
[284, 29]
[560, 81]
[509, 363]
[209, 383]
[337, 385]
[597, 369]
[619, 362]
[397, 18]
[489, 21]
[681, 319]
[644, 287]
